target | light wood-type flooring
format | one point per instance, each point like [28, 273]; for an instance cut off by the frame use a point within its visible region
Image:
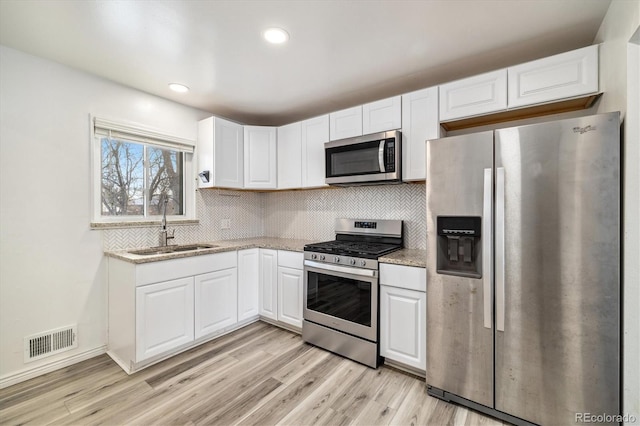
[258, 375]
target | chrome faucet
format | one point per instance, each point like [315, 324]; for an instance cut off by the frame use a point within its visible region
[164, 233]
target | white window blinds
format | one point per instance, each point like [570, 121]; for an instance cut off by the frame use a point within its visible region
[116, 130]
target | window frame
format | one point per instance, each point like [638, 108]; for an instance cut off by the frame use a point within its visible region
[147, 137]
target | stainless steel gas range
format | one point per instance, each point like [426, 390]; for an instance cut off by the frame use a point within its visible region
[341, 287]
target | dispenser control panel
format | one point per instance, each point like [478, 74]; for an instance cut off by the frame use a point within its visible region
[459, 246]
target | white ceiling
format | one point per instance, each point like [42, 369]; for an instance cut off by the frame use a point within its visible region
[341, 53]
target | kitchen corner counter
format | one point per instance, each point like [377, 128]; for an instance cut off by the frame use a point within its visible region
[220, 247]
[406, 257]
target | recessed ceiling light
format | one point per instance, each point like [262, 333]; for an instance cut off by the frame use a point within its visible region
[177, 87]
[276, 35]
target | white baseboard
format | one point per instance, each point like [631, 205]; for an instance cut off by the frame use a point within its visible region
[21, 376]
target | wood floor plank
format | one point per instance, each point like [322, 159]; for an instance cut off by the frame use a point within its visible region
[375, 414]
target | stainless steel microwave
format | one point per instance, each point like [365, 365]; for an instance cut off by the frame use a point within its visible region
[364, 160]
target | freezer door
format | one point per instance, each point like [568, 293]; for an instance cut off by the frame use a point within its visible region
[558, 269]
[459, 322]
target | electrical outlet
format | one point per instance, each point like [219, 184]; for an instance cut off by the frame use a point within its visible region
[225, 224]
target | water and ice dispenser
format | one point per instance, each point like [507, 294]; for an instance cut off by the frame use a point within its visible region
[459, 246]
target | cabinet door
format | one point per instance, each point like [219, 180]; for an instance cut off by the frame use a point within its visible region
[248, 279]
[557, 77]
[480, 94]
[403, 322]
[315, 133]
[216, 301]
[164, 317]
[346, 123]
[228, 153]
[419, 123]
[268, 291]
[290, 296]
[289, 156]
[260, 157]
[382, 115]
[205, 151]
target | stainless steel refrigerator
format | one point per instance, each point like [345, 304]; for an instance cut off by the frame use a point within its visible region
[523, 270]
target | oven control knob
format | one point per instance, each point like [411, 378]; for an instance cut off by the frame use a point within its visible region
[352, 261]
[322, 257]
[314, 256]
[336, 259]
[363, 262]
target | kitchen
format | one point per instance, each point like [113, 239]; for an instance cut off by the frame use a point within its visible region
[57, 292]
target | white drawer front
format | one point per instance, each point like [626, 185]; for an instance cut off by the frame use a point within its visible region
[409, 277]
[291, 259]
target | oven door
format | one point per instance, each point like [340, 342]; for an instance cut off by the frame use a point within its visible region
[342, 298]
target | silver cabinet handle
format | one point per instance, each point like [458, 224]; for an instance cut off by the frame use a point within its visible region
[381, 157]
[341, 269]
[500, 250]
[487, 232]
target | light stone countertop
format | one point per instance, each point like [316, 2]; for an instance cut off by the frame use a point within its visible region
[407, 257]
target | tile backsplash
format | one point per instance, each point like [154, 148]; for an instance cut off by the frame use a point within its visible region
[307, 214]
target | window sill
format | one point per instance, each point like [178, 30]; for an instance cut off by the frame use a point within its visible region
[141, 224]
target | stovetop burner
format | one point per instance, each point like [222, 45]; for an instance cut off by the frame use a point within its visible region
[367, 250]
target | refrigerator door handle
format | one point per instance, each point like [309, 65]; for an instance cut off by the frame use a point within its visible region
[487, 226]
[500, 246]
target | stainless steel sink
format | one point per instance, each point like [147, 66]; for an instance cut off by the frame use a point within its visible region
[151, 251]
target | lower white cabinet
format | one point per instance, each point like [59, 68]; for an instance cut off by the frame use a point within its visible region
[248, 279]
[268, 291]
[403, 315]
[216, 301]
[290, 296]
[164, 316]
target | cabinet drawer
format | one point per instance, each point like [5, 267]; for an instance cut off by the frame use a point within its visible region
[557, 77]
[408, 277]
[475, 95]
[291, 259]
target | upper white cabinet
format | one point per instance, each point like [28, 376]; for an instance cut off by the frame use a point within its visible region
[419, 123]
[346, 123]
[290, 156]
[315, 133]
[480, 94]
[260, 170]
[220, 153]
[248, 279]
[566, 75]
[382, 115]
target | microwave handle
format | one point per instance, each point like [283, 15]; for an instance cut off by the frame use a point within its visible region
[381, 157]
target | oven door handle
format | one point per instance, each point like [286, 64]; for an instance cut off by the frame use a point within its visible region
[381, 157]
[342, 269]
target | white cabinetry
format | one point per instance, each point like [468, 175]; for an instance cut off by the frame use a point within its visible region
[221, 153]
[480, 94]
[290, 282]
[268, 294]
[260, 157]
[382, 115]
[158, 309]
[315, 133]
[346, 123]
[216, 301]
[290, 156]
[419, 123]
[566, 75]
[248, 279]
[164, 317]
[403, 318]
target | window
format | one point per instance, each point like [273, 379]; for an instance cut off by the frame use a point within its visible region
[137, 172]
